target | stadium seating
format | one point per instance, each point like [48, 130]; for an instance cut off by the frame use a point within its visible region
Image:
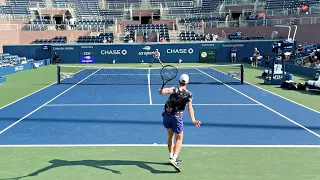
[162, 29]
[91, 8]
[205, 19]
[192, 36]
[6, 59]
[311, 2]
[55, 40]
[95, 39]
[235, 36]
[38, 25]
[16, 7]
[93, 24]
[111, 13]
[208, 6]
[279, 5]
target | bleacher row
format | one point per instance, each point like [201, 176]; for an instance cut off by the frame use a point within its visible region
[54, 40]
[7, 59]
[161, 29]
[192, 36]
[95, 39]
[198, 19]
[90, 8]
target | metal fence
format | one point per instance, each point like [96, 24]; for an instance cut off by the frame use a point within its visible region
[152, 5]
[263, 22]
[42, 5]
[46, 27]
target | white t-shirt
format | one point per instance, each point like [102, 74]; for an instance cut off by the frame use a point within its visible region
[72, 20]
[157, 54]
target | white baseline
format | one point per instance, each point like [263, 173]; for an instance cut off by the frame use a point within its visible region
[159, 145]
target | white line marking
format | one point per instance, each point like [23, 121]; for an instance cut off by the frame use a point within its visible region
[66, 105]
[27, 96]
[46, 103]
[284, 98]
[149, 87]
[275, 94]
[160, 145]
[292, 121]
[133, 74]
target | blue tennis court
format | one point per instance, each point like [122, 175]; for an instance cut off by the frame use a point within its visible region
[122, 106]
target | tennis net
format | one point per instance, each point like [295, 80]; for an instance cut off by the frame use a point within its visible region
[212, 74]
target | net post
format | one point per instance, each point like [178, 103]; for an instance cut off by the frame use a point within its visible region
[242, 73]
[58, 74]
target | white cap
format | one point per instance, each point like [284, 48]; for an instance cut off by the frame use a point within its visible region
[185, 78]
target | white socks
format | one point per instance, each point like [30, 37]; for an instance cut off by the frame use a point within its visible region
[175, 157]
[171, 155]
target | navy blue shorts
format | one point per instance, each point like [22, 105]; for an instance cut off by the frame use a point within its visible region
[172, 122]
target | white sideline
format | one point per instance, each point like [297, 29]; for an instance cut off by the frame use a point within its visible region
[276, 112]
[4, 130]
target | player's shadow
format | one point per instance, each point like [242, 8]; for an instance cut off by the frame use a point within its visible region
[99, 164]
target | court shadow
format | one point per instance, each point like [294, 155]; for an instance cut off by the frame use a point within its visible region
[99, 164]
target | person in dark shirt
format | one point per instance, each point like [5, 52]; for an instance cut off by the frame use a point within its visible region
[173, 116]
[233, 54]
[56, 58]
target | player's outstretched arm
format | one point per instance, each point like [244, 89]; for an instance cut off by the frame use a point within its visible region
[166, 91]
[191, 113]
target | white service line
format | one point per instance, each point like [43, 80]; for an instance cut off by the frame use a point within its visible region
[276, 112]
[158, 145]
[4, 130]
[66, 105]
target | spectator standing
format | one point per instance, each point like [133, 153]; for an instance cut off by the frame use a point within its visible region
[72, 22]
[255, 56]
[233, 54]
[145, 37]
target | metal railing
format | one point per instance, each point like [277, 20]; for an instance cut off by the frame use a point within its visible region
[281, 12]
[261, 22]
[15, 17]
[153, 5]
[46, 27]
[199, 15]
[41, 5]
[239, 2]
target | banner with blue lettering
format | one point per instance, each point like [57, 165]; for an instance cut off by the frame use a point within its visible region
[169, 52]
[190, 52]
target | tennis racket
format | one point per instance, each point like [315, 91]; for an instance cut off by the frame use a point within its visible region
[168, 73]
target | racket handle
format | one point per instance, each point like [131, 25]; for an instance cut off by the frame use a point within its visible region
[162, 87]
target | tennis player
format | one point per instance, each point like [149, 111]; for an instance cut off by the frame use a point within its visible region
[173, 116]
[156, 56]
